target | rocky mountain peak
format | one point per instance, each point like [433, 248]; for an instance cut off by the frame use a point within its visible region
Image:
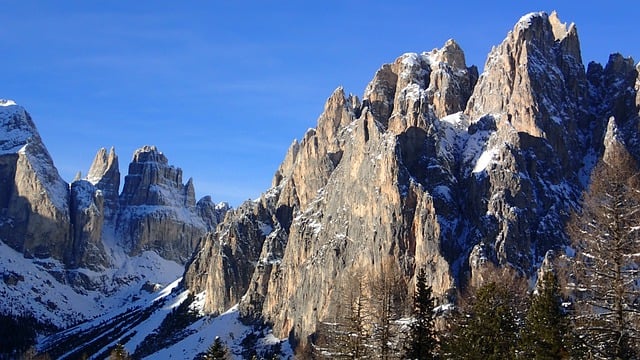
[18, 128]
[104, 164]
[434, 166]
[416, 88]
[149, 153]
[152, 181]
[535, 81]
[158, 212]
[104, 174]
[451, 54]
[33, 196]
[567, 36]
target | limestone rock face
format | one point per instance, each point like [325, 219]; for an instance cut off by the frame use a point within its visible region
[211, 213]
[157, 211]
[419, 87]
[535, 81]
[87, 218]
[33, 197]
[434, 167]
[343, 193]
[228, 258]
[104, 174]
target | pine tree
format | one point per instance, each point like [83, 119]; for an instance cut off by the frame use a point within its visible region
[423, 343]
[606, 237]
[216, 351]
[545, 335]
[119, 353]
[486, 326]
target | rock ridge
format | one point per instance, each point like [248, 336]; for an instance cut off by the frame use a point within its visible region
[42, 216]
[436, 166]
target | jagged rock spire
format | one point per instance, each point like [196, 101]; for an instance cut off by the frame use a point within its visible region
[416, 88]
[104, 165]
[104, 174]
[613, 140]
[535, 83]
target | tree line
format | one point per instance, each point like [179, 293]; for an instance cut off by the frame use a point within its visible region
[584, 305]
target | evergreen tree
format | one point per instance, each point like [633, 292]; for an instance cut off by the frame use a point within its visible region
[423, 343]
[545, 335]
[486, 327]
[217, 351]
[606, 237]
[119, 353]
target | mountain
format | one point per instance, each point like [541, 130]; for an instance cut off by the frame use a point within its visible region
[34, 200]
[436, 166]
[70, 252]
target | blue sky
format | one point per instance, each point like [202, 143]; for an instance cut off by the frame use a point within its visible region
[223, 87]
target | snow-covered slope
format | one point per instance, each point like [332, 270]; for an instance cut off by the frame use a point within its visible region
[42, 287]
[137, 326]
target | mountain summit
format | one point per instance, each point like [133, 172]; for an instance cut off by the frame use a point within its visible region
[435, 166]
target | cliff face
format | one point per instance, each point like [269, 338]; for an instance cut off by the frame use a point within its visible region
[157, 211]
[436, 166]
[34, 199]
[104, 174]
[44, 217]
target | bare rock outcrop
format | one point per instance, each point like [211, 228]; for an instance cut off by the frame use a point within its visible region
[435, 167]
[34, 200]
[87, 219]
[157, 211]
[104, 174]
[419, 87]
[228, 259]
[211, 213]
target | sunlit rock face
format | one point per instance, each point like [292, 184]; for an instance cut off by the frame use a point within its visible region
[104, 174]
[436, 166]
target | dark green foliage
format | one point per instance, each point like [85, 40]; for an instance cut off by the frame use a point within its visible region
[248, 344]
[487, 327]
[546, 334]
[252, 349]
[18, 334]
[423, 343]
[217, 351]
[119, 353]
[171, 330]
